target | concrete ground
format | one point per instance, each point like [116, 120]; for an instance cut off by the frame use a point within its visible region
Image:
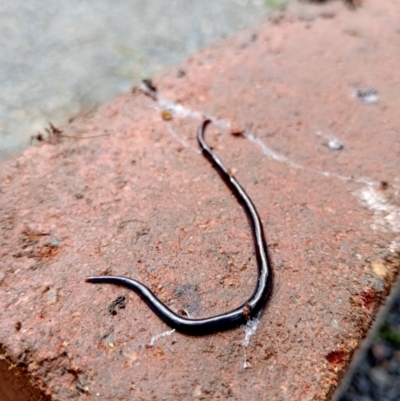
[61, 59]
[314, 93]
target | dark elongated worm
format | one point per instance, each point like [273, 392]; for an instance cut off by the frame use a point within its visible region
[236, 316]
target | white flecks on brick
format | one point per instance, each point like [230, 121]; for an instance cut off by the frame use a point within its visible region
[249, 330]
[180, 111]
[394, 246]
[158, 336]
[386, 215]
[367, 95]
[272, 154]
[179, 139]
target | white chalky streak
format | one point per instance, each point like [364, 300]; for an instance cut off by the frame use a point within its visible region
[250, 329]
[158, 336]
[386, 215]
[182, 112]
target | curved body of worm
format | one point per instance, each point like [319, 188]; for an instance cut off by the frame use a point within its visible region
[230, 319]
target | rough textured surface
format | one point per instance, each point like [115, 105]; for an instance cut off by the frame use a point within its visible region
[61, 59]
[143, 202]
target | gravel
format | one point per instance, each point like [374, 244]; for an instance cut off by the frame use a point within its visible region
[376, 377]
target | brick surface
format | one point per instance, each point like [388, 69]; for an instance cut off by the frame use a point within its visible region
[142, 202]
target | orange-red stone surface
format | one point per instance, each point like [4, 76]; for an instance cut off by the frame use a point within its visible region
[142, 202]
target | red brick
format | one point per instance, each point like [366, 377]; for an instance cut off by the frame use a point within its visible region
[142, 202]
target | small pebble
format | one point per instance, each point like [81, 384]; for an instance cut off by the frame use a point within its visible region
[335, 324]
[55, 242]
[380, 352]
[235, 130]
[166, 115]
[335, 144]
[109, 340]
[52, 296]
[367, 95]
[379, 268]
[379, 376]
